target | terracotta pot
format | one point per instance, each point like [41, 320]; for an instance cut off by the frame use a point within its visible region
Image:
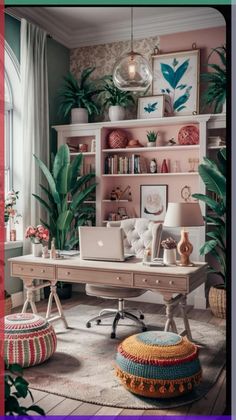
[217, 301]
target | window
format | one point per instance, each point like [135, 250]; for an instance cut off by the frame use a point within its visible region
[8, 129]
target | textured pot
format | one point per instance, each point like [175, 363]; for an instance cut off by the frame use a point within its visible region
[116, 113]
[79, 116]
[169, 256]
[217, 301]
[37, 250]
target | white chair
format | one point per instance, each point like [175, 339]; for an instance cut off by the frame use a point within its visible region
[139, 234]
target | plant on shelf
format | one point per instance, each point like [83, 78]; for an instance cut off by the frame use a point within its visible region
[17, 389]
[77, 97]
[213, 175]
[152, 137]
[66, 193]
[115, 99]
[216, 79]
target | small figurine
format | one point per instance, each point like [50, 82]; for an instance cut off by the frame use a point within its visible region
[153, 166]
[53, 254]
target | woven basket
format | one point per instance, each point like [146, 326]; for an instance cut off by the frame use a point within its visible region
[217, 301]
[117, 139]
[189, 134]
[8, 305]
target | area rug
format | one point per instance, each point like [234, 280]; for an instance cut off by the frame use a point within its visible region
[82, 367]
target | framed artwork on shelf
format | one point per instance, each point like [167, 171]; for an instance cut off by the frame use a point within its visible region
[177, 74]
[153, 201]
[151, 106]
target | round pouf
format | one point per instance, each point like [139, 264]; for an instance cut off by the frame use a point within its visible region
[29, 339]
[158, 364]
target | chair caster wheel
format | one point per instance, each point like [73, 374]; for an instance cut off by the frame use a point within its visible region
[98, 321]
[144, 329]
[141, 316]
[88, 325]
[113, 335]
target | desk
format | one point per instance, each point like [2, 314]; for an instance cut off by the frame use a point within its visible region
[174, 283]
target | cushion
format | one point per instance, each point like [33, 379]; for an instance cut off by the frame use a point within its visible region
[29, 339]
[112, 291]
[158, 364]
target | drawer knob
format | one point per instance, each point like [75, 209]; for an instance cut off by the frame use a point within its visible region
[118, 278]
[144, 280]
[42, 271]
[21, 269]
[68, 273]
[157, 281]
[31, 269]
[171, 282]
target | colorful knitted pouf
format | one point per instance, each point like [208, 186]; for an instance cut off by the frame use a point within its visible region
[158, 364]
[29, 339]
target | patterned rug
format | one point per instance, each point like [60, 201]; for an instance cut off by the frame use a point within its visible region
[82, 367]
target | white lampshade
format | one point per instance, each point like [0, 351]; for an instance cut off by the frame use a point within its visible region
[183, 215]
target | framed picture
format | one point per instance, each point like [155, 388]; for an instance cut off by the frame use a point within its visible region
[153, 202]
[177, 75]
[151, 106]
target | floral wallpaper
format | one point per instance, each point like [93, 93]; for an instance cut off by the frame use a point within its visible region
[104, 56]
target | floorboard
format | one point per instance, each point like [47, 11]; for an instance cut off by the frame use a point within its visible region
[213, 403]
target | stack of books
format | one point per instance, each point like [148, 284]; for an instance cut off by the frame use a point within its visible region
[216, 141]
[135, 164]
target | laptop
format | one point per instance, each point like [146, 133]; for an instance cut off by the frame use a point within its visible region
[102, 244]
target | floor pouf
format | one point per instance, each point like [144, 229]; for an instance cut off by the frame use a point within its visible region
[158, 364]
[29, 339]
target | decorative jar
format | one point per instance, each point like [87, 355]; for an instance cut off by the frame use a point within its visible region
[169, 256]
[36, 249]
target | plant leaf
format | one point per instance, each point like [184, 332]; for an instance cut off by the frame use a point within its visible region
[169, 74]
[49, 179]
[64, 220]
[62, 158]
[180, 72]
[214, 180]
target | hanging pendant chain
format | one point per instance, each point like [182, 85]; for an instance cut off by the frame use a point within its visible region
[132, 29]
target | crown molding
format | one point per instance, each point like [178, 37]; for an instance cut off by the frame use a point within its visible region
[174, 22]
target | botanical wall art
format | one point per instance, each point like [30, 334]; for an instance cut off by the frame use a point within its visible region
[151, 106]
[177, 75]
[153, 202]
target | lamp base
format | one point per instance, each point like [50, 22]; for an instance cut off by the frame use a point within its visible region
[185, 249]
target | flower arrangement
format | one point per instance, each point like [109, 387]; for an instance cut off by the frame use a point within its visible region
[169, 243]
[10, 202]
[38, 234]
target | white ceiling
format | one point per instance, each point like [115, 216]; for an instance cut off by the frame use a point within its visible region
[77, 26]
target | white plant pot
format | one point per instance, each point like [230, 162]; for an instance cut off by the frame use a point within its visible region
[151, 144]
[37, 250]
[116, 113]
[79, 116]
[169, 256]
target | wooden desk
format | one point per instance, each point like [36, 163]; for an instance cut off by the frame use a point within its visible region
[174, 283]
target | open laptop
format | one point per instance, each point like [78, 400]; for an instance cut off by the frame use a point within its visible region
[102, 243]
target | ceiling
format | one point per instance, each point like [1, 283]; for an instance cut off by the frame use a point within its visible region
[78, 26]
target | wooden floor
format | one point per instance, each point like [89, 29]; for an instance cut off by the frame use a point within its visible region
[214, 403]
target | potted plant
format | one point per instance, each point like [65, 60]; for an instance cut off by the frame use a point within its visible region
[77, 97]
[216, 79]
[115, 99]
[214, 177]
[152, 137]
[169, 254]
[39, 236]
[65, 196]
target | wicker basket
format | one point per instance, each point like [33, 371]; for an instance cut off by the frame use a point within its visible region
[8, 305]
[117, 139]
[217, 301]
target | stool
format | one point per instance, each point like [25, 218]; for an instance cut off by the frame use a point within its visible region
[158, 364]
[29, 339]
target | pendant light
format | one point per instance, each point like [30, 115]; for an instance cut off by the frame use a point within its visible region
[132, 71]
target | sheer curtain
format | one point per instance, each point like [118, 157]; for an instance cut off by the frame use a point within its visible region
[35, 120]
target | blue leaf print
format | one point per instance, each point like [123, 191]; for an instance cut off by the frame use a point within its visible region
[182, 107]
[163, 90]
[175, 62]
[169, 74]
[151, 107]
[180, 101]
[181, 87]
[168, 90]
[180, 72]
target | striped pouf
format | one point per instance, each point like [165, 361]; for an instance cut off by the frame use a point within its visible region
[158, 364]
[29, 339]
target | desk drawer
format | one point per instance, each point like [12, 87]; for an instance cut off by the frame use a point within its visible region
[94, 276]
[36, 271]
[160, 282]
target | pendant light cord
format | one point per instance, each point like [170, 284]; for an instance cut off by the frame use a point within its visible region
[132, 29]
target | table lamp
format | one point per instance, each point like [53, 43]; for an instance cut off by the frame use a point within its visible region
[180, 215]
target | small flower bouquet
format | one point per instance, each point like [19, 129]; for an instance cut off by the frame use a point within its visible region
[169, 243]
[38, 234]
[10, 202]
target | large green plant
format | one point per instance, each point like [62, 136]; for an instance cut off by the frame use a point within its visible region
[216, 79]
[213, 175]
[65, 196]
[78, 94]
[112, 96]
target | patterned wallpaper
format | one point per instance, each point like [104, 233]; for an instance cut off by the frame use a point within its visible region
[104, 56]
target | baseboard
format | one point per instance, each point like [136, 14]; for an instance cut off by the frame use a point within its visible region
[17, 299]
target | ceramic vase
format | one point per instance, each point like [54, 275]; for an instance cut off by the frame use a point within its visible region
[151, 144]
[169, 256]
[79, 116]
[37, 250]
[116, 113]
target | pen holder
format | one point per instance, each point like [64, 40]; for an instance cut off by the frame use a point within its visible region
[169, 256]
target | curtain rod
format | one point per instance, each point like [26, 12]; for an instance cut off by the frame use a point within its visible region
[15, 16]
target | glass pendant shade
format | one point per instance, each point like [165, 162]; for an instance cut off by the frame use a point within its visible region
[132, 72]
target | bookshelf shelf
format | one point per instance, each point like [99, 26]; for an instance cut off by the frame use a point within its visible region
[115, 201]
[216, 147]
[151, 149]
[153, 175]
[83, 153]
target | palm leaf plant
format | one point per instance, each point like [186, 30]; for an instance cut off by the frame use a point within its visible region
[65, 194]
[216, 79]
[112, 96]
[214, 177]
[79, 94]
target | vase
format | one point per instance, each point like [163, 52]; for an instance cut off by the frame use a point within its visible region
[164, 167]
[169, 256]
[79, 116]
[37, 250]
[116, 113]
[12, 229]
